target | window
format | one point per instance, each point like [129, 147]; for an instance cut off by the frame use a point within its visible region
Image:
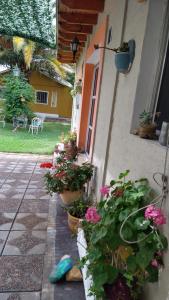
[162, 105]
[54, 99]
[92, 108]
[152, 72]
[42, 97]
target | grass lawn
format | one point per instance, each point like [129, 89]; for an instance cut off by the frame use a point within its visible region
[22, 141]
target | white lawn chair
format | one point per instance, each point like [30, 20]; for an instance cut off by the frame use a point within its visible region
[41, 123]
[36, 125]
[2, 120]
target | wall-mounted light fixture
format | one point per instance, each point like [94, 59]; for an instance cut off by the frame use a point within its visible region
[74, 45]
[124, 55]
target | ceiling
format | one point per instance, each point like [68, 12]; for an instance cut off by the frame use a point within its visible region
[75, 18]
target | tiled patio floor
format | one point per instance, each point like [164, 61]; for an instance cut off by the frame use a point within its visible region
[27, 252]
[23, 224]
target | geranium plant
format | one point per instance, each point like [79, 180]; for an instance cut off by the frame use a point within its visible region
[67, 176]
[125, 243]
[79, 208]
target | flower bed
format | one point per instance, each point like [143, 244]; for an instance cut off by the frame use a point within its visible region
[125, 244]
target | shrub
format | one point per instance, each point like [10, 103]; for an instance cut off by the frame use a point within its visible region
[18, 94]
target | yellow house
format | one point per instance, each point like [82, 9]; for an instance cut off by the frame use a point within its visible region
[53, 97]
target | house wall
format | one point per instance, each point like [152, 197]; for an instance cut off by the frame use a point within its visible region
[64, 99]
[115, 148]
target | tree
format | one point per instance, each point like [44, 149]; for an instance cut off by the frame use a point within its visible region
[29, 56]
[18, 94]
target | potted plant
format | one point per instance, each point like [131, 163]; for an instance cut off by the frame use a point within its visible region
[147, 127]
[125, 245]
[68, 179]
[77, 88]
[76, 213]
[69, 142]
[122, 58]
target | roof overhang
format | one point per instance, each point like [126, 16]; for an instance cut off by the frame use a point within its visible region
[75, 18]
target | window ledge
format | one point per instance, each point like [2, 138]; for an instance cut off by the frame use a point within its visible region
[148, 141]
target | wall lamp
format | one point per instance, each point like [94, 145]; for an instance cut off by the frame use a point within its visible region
[74, 45]
[124, 55]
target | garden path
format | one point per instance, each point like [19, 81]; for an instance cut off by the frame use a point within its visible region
[33, 233]
[24, 208]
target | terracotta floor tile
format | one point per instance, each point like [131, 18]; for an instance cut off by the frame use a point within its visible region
[21, 273]
[27, 221]
[38, 194]
[25, 243]
[9, 205]
[35, 206]
[20, 296]
[6, 220]
[11, 193]
[3, 237]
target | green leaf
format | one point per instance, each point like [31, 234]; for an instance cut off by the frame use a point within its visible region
[164, 241]
[101, 233]
[144, 257]
[100, 279]
[153, 274]
[114, 241]
[127, 232]
[124, 174]
[141, 223]
[131, 264]
[124, 214]
[108, 220]
[112, 182]
[112, 274]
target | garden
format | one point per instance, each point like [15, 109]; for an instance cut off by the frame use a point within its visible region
[15, 135]
[120, 238]
[23, 141]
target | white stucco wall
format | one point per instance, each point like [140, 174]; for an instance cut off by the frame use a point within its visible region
[127, 151]
[115, 148]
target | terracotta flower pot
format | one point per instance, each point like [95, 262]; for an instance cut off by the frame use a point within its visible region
[147, 131]
[71, 150]
[73, 223]
[69, 197]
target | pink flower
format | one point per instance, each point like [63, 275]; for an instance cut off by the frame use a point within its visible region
[155, 214]
[159, 253]
[154, 263]
[160, 220]
[104, 190]
[92, 216]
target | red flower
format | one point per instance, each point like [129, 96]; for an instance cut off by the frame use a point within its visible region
[48, 165]
[118, 193]
[60, 175]
[74, 167]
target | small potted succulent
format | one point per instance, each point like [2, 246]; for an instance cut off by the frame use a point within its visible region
[68, 179]
[147, 126]
[76, 213]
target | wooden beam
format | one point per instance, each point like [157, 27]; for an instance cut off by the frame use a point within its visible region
[66, 48]
[90, 5]
[76, 28]
[78, 18]
[70, 36]
[66, 42]
[67, 53]
[66, 61]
